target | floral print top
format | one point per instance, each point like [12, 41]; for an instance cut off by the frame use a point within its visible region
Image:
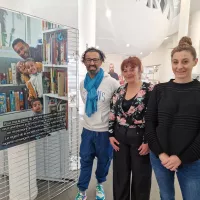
[134, 117]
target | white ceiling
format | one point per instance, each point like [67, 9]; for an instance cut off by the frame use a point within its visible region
[131, 22]
[58, 11]
[142, 27]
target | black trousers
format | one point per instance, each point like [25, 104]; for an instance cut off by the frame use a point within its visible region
[127, 162]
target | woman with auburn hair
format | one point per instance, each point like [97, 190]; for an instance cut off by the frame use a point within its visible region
[173, 127]
[127, 135]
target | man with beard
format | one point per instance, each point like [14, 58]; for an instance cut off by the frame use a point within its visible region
[96, 92]
[25, 51]
[112, 72]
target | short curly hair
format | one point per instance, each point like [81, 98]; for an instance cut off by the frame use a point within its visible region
[133, 62]
[92, 49]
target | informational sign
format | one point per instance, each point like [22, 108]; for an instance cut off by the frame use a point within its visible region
[16, 132]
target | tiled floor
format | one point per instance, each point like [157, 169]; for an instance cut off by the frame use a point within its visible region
[71, 193]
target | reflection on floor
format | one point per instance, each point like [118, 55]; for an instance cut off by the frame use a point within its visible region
[71, 193]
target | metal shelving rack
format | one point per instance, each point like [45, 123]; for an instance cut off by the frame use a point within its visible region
[46, 167]
[59, 152]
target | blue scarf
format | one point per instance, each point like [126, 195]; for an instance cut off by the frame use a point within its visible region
[91, 85]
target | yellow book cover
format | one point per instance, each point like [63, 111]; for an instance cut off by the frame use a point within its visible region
[10, 75]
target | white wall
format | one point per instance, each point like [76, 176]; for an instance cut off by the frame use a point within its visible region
[162, 56]
[154, 58]
[58, 11]
[116, 59]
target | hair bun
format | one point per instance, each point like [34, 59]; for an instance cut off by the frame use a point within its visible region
[185, 41]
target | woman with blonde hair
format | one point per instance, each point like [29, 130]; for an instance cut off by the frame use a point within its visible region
[173, 127]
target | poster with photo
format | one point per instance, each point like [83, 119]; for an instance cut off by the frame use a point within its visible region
[29, 68]
[33, 60]
[21, 57]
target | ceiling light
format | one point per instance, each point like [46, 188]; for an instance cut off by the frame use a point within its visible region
[108, 13]
[141, 53]
[97, 47]
[127, 45]
[166, 38]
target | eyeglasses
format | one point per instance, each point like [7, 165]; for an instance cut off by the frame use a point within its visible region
[95, 60]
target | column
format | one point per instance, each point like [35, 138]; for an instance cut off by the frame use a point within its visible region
[184, 18]
[195, 36]
[87, 33]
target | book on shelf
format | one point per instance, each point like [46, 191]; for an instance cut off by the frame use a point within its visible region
[3, 78]
[60, 104]
[53, 80]
[10, 77]
[21, 101]
[46, 82]
[3, 107]
[61, 83]
[7, 77]
[12, 101]
[48, 25]
[55, 46]
[52, 100]
[8, 104]
[52, 108]
[25, 98]
[62, 107]
[14, 73]
[66, 82]
[17, 102]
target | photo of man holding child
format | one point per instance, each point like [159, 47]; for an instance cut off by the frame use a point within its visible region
[29, 70]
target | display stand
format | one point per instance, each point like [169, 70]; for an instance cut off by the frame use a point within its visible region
[40, 167]
[22, 170]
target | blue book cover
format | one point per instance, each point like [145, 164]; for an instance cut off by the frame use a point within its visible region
[21, 100]
[12, 101]
[3, 103]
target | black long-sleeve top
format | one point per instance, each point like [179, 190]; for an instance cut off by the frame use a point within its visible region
[173, 120]
[129, 113]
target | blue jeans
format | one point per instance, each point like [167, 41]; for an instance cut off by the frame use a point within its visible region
[94, 144]
[188, 176]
